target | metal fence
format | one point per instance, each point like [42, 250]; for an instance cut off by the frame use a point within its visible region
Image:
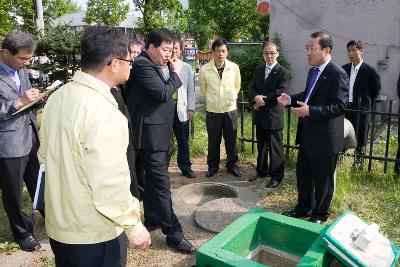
[378, 122]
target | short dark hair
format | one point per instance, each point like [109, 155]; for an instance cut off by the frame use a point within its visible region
[270, 43]
[100, 45]
[219, 42]
[325, 40]
[357, 43]
[133, 42]
[15, 41]
[179, 41]
[157, 36]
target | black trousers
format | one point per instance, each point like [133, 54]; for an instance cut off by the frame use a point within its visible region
[13, 172]
[315, 183]
[157, 202]
[111, 253]
[269, 143]
[360, 123]
[218, 125]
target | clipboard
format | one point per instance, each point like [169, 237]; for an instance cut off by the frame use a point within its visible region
[48, 90]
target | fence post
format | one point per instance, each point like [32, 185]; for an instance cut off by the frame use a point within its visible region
[371, 144]
[288, 134]
[242, 120]
[388, 137]
[252, 129]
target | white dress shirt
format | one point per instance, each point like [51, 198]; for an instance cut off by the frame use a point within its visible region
[353, 76]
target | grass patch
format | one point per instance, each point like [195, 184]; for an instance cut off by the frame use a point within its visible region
[6, 239]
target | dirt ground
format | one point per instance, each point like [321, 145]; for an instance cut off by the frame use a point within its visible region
[159, 254]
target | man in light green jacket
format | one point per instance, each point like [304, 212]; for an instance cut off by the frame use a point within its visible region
[84, 137]
[220, 84]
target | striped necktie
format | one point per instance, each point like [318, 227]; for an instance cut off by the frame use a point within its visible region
[267, 71]
[311, 83]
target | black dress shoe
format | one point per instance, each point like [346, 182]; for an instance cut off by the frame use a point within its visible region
[317, 220]
[211, 173]
[29, 243]
[272, 184]
[295, 214]
[183, 246]
[189, 174]
[235, 171]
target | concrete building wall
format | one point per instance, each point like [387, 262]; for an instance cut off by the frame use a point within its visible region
[375, 22]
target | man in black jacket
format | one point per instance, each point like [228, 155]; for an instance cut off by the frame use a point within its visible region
[153, 80]
[320, 109]
[269, 82]
[364, 88]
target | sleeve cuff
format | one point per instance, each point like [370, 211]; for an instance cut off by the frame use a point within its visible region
[134, 229]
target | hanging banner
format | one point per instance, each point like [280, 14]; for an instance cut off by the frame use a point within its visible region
[263, 6]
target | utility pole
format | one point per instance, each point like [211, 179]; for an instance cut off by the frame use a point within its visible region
[39, 17]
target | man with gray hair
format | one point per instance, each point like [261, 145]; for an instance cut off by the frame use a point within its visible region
[18, 135]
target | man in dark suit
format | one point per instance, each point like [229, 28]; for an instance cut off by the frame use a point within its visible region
[320, 109]
[18, 135]
[153, 80]
[269, 82]
[119, 94]
[364, 88]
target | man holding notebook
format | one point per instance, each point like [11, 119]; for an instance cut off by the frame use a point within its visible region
[18, 135]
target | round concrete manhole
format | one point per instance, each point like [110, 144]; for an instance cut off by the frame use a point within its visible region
[215, 215]
[187, 199]
[200, 193]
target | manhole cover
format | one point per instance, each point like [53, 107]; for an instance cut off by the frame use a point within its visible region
[215, 215]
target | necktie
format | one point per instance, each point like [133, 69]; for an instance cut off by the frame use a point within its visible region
[312, 82]
[17, 81]
[267, 70]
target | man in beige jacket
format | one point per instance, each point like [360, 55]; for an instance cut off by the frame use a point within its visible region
[84, 138]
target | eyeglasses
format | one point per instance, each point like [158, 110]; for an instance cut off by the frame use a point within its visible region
[270, 53]
[21, 59]
[130, 62]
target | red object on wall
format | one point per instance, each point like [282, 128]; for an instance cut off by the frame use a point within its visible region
[262, 6]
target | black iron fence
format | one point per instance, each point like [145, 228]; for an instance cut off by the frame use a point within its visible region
[380, 125]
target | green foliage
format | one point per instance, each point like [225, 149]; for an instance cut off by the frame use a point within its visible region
[7, 21]
[160, 14]
[233, 20]
[200, 25]
[107, 12]
[25, 8]
[56, 8]
[62, 48]
[248, 57]
[8, 248]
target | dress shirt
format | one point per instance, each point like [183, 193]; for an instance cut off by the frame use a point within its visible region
[221, 94]
[353, 76]
[269, 68]
[84, 139]
[13, 74]
[321, 69]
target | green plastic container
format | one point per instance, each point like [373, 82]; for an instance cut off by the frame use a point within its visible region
[264, 238]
